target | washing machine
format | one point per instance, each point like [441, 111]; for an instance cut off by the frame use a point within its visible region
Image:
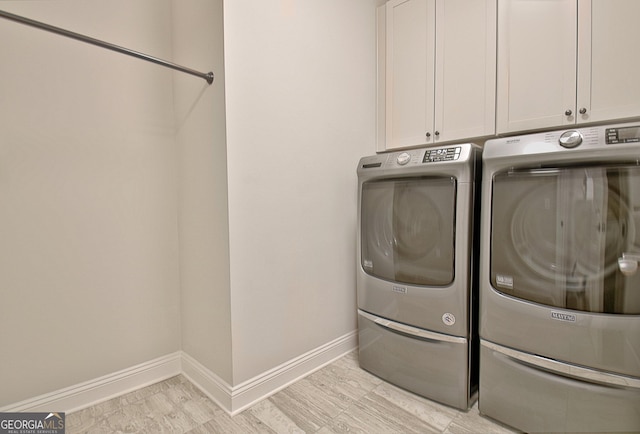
[416, 279]
[559, 286]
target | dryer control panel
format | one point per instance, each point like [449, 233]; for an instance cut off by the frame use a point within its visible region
[622, 135]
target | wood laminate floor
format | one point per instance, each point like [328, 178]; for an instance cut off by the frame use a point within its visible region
[338, 398]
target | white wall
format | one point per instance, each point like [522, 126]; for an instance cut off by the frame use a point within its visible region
[204, 224]
[300, 92]
[88, 202]
[267, 221]
[133, 225]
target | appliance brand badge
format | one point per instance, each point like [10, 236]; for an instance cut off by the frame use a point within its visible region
[563, 316]
[449, 319]
[400, 289]
[504, 281]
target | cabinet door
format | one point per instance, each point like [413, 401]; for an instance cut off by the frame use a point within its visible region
[465, 69]
[410, 34]
[537, 52]
[608, 60]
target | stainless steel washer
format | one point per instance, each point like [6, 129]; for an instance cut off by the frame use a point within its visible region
[417, 295]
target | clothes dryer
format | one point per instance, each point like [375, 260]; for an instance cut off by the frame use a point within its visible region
[417, 295]
[559, 287]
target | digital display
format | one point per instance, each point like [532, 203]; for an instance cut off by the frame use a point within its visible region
[628, 133]
[623, 135]
[446, 154]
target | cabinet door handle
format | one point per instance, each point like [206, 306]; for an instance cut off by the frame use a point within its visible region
[583, 110]
[437, 133]
[568, 113]
[428, 135]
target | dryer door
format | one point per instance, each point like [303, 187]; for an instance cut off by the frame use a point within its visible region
[557, 236]
[407, 230]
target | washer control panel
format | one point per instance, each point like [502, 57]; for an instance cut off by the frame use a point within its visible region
[413, 159]
[442, 154]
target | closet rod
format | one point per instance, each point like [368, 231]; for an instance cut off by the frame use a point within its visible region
[207, 76]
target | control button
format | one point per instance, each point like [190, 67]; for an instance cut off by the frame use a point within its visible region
[403, 158]
[570, 139]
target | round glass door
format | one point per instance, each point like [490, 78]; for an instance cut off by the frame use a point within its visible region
[407, 230]
[559, 237]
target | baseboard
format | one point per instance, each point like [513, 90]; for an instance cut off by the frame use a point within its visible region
[101, 389]
[213, 386]
[235, 399]
[249, 392]
[231, 399]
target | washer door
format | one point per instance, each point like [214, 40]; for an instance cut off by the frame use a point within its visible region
[407, 230]
[557, 235]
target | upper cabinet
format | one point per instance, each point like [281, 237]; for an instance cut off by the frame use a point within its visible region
[436, 71]
[565, 62]
[609, 81]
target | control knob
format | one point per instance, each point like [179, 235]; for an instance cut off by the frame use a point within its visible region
[570, 139]
[403, 158]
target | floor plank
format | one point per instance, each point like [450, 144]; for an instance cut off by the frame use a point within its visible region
[336, 399]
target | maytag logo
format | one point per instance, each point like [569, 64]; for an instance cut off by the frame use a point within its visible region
[563, 316]
[400, 289]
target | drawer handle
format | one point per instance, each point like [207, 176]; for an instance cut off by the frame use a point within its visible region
[564, 369]
[412, 331]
